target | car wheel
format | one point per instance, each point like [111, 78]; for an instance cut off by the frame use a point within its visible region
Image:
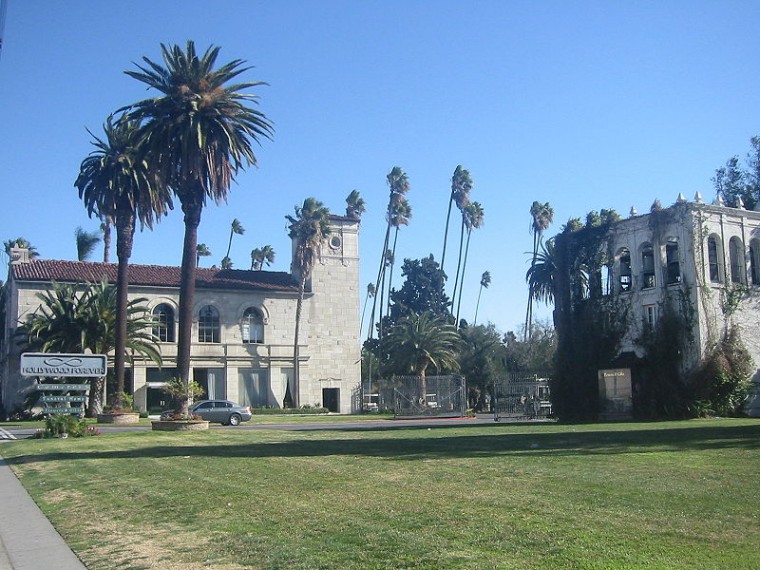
[235, 420]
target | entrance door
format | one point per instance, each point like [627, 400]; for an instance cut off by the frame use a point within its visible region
[331, 399]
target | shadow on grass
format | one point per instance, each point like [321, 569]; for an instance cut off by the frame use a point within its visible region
[554, 442]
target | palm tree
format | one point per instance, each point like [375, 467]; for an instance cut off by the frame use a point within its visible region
[201, 130]
[400, 215]
[472, 216]
[461, 185]
[237, 228]
[542, 216]
[22, 243]
[371, 291]
[115, 180]
[105, 226]
[201, 250]
[261, 256]
[540, 275]
[355, 205]
[86, 242]
[420, 340]
[76, 318]
[308, 229]
[485, 282]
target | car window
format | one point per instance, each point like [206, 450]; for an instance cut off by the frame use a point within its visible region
[227, 404]
[205, 406]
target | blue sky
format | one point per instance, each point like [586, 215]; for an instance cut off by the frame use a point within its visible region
[586, 105]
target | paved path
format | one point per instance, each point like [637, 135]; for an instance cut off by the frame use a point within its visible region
[27, 539]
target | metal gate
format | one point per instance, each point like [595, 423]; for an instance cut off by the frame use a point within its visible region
[522, 397]
[444, 396]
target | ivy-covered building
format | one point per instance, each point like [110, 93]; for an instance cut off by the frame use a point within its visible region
[673, 295]
[243, 327]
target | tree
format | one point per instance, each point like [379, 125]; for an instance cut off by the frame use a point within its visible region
[115, 180]
[370, 294]
[540, 275]
[201, 130]
[542, 215]
[105, 226]
[423, 291]
[22, 243]
[80, 317]
[237, 228]
[400, 215]
[261, 256]
[86, 242]
[201, 250]
[481, 361]
[308, 229]
[419, 341]
[735, 184]
[472, 217]
[354, 205]
[461, 185]
[485, 282]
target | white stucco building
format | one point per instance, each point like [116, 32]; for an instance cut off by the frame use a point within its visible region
[243, 327]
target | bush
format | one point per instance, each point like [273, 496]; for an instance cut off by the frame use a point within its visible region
[64, 425]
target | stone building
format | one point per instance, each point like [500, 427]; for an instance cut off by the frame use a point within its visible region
[700, 260]
[243, 327]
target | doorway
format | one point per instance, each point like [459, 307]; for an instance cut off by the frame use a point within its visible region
[331, 399]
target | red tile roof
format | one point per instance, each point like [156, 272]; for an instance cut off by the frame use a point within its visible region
[152, 275]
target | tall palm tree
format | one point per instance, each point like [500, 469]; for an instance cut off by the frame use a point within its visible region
[542, 215]
[461, 185]
[80, 317]
[398, 184]
[200, 129]
[355, 205]
[485, 282]
[237, 228]
[116, 180]
[86, 242]
[308, 229]
[260, 256]
[400, 215]
[201, 250]
[420, 340]
[472, 216]
[105, 226]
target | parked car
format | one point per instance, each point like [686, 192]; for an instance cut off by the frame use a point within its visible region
[222, 411]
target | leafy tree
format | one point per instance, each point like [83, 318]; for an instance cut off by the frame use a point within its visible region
[485, 282]
[423, 291]
[261, 256]
[355, 205]
[536, 354]
[481, 361]
[115, 180]
[418, 341]
[86, 242]
[200, 129]
[82, 317]
[308, 229]
[735, 183]
[461, 186]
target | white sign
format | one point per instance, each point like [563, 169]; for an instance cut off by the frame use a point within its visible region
[66, 365]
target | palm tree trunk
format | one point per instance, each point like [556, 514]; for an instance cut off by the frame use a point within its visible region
[477, 306]
[106, 239]
[459, 265]
[529, 309]
[464, 268]
[296, 396]
[380, 275]
[446, 233]
[390, 275]
[192, 210]
[125, 231]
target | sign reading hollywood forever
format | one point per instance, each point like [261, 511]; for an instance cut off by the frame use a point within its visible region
[63, 365]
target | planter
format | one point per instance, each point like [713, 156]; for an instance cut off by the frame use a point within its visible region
[119, 418]
[179, 425]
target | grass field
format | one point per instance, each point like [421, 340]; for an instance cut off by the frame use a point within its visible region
[592, 496]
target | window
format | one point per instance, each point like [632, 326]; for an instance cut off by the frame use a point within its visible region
[754, 261]
[212, 381]
[606, 277]
[671, 260]
[715, 259]
[163, 323]
[738, 264]
[650, 315]
[252, 326]
[253, 387]
[208, 325]
[626, 280]
[647, 267]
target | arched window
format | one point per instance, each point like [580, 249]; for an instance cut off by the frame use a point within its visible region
[647, 267]
[672, 264]
[252, 326]
[163, 323]
[626, 280]
[715, 258]
[738, 263]
[754, 260]
[209, 329]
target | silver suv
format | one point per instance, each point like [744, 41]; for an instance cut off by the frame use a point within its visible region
[222, 411]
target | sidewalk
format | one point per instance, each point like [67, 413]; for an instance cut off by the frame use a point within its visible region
[27, 539]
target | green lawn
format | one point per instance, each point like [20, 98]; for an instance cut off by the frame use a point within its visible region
[613, 496]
